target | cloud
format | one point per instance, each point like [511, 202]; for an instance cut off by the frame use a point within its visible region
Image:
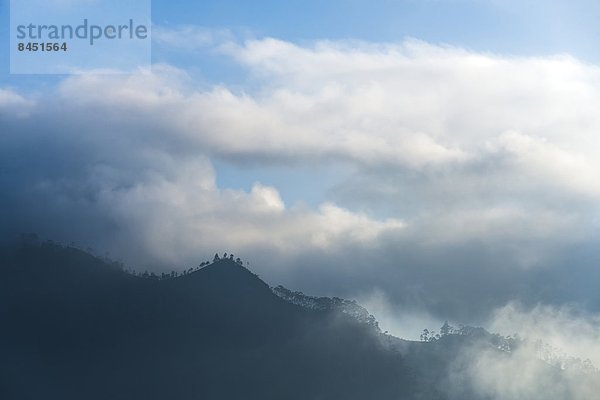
[567, 330]
[156, 195]
[13, 102]
[521, 375]
[398, 321]
[471, 179]
[556, 360]
[547, 164]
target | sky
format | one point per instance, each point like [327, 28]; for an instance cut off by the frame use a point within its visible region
[434, 159]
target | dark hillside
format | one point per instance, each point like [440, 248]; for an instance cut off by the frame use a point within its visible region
[75, 327]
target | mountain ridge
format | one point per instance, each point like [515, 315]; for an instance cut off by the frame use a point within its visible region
[76, 326]
[89, 330]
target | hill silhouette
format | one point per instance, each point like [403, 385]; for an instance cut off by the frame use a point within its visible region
[75, 327]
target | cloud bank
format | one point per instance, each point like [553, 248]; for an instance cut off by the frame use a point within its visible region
[472, 179]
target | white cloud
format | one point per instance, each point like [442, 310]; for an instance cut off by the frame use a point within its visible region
[410, 106]
[540, 162]
[552, 363]
[398, 321]
[521, 375]
[567, 330]
[12, 101]
[483, 162]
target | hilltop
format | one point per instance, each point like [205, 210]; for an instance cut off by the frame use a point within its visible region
[78, 327]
